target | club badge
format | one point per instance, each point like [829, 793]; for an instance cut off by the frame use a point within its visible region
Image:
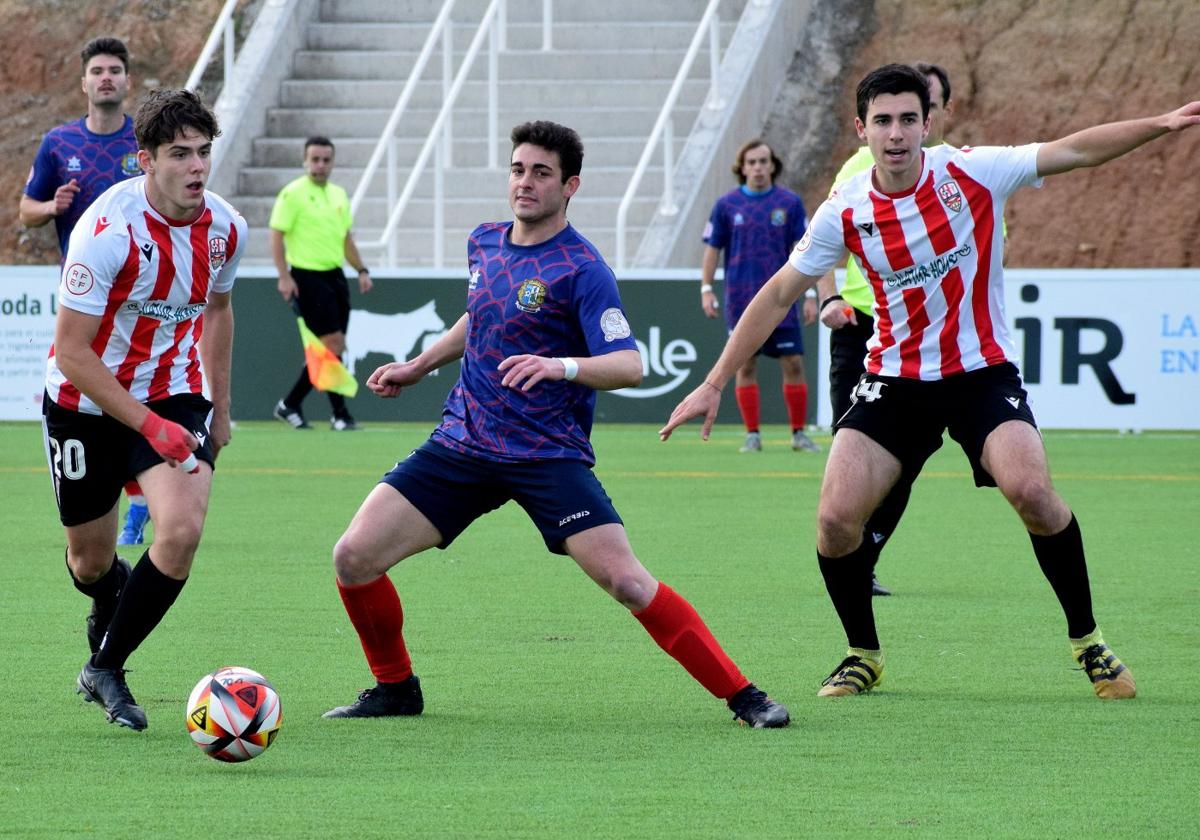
[531, 295]
[216, 252]
[950, 195]
[779, 216]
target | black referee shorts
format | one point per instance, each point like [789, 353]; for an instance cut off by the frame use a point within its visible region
[324, 299]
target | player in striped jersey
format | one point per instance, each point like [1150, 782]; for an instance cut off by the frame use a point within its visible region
[137, 383]
[925, 227]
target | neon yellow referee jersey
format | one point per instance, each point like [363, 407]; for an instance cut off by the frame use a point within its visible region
[314, 222]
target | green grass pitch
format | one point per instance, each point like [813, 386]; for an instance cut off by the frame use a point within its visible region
[550, 712]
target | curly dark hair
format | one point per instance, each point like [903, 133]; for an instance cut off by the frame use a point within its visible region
[553, 138]
[165, 113]
[104, 45]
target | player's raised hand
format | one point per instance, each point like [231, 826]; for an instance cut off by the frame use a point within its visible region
[64, 197]
[702, 402]
[1186, 116]
[389, 380]
[524, 371]
[836, 315]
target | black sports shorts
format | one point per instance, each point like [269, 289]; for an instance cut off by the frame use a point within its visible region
[92, 456]
[324, 299]
[908, 416]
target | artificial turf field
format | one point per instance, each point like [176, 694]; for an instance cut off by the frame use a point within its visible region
[551, 713]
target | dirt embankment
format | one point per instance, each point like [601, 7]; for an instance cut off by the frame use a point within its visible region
[1021, 70]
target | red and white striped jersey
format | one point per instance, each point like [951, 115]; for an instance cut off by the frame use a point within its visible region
[148, 280]
[933, 257]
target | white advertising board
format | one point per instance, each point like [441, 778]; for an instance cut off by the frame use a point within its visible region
[1100, 349]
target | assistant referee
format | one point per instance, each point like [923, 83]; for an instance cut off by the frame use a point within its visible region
[310, 240]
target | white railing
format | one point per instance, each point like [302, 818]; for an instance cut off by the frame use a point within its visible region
[491, 27]
[664, 126]
[222, 32]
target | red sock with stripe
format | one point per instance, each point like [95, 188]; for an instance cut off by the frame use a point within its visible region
[796, 399]
[679, 630]
[748, 404]
[375, 611]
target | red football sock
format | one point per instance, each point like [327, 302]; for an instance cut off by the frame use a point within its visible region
[679, 630]
[796, 398]
[375, 611]
[747, 400]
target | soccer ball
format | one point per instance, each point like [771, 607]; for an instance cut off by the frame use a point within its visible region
[233, 714]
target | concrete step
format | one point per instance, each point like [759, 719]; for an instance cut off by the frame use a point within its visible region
[414, 245]
[584, 211]
[521, 36]
[513, 64]
[566, 11]
[462, 182]
[369, 122]
[599, 151]
[609, 92]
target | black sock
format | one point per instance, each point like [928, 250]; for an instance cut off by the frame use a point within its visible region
[848, 581]
[882, 523]
[105, 590]
[299, 391]
[338, 403]
[1061, 558]
[147, 596]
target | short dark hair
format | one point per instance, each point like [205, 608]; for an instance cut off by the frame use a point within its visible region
[553, 138]
[165, 113]
[928, 70]
[104, 45]
[740, 161]
[893, 79]
[317, 140]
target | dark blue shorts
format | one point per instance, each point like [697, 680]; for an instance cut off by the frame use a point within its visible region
[784, 341]
[452, 490]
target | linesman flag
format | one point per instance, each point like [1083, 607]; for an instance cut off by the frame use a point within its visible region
[325, 370]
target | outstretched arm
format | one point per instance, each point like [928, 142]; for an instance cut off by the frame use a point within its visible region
[1101, 143]
[390, 379]
[761, 317]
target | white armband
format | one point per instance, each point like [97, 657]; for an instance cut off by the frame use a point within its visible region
[811, 294]
[706, 289]
[570, 368]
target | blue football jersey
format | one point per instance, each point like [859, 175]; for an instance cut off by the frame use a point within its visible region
[95, 161]
[557, 298]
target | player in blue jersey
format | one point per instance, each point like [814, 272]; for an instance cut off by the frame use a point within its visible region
[756, 226]
[544, 330]
[78, 161]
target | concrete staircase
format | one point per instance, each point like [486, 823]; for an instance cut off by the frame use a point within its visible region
[607, 76]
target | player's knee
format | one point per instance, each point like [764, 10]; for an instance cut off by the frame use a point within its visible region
[634, 592]
[175, 543]
[1030, 497]
[837, 530]
[351, 563]
[89, 566]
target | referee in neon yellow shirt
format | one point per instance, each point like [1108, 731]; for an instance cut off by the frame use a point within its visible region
[310, 240]
[850, 333]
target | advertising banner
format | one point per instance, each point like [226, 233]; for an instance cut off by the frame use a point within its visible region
[1114, 348]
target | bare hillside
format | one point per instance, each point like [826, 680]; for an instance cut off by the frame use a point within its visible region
[1021, 70]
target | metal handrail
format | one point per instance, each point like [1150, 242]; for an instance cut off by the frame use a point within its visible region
[222, 31]
[663, 126]
[386, 137]
[489, 25]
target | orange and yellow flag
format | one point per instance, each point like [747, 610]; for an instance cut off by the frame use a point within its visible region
[325, 370]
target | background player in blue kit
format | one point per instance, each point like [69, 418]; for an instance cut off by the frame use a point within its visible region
[78, 161]
[543, 331]
[756, 226]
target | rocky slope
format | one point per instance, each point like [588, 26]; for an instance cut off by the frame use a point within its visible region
[1021, 70]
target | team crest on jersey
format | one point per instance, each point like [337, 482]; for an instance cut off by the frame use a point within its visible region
[950, 195]
[739, 219]
[217, 247]
[531, 295]
[129, 165]
[614, 325]
[779, 216]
